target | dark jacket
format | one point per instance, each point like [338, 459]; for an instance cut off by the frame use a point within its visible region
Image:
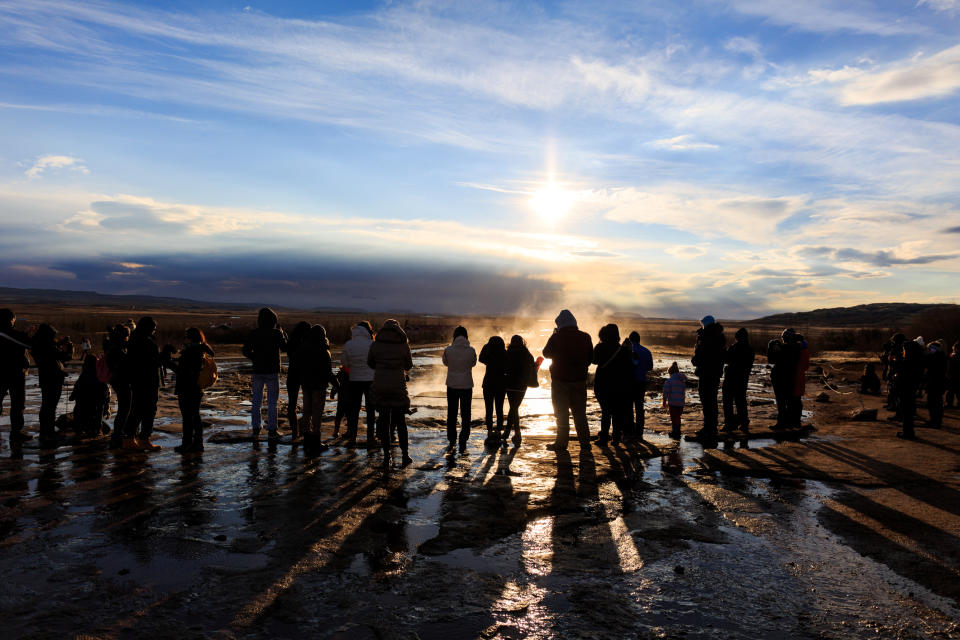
[263, 346]
[294, 342]
[784, 357]
[911, 366]
[49, 357]
[91, 400]
[495, 359]
[314, 362]
[937, 363]
[13, 356]
[117, 362]
[614, 367]
[739, 359]
[571, 351]
[642, 362]
[390, 359]
[709, 353]
[188, 367]
[519, 368]
[144, 361]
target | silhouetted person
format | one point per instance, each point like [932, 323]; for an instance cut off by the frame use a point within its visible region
[739, 359]
[263, 347]
[145, 362]
[894, 361]
[708, 359]
[795, 406]
[870, 381]
[91, 400]
[359, 379]
[909, 374]
[783, 355]
[316, 373]
[189, 393]
[937, 363]
[13, 365]
[390, 359]
[674, 398]
[338, 392]
[50, 354]
[293, 376]
[953, 375]
[494, 356]
[571, 352]
[520, 372]
[612, 383]
[460, 359]
[115, 356]
[642, 365]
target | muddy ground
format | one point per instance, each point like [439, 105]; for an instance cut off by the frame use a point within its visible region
[845, 532]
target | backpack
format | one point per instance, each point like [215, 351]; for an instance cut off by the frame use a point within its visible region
[103, 369]
[208, 372]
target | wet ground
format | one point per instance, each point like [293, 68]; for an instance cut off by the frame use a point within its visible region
[836, 535]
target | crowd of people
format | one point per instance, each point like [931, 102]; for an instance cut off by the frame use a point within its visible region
[374, 371]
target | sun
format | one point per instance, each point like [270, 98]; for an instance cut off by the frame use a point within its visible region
[551, 202]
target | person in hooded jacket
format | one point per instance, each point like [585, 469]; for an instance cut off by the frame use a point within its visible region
[390, 358]
[50, 354]
[359, 379]
[115, 354]
[739, 359]
[91, 400]
[612, 383]
[293, 375]
[953, 375]
[316, 373]
[707, 359]
[13, 365]
[795, 406]
[145, 364]
[571, 352]
[937, 363]
[642, 365]
[909, 375]
[189, 394]
[894, 361]
[263, 346]
[520, 371]
[782, 354]
[494, 356]
[460, 359]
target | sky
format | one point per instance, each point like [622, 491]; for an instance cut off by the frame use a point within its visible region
[724, 157]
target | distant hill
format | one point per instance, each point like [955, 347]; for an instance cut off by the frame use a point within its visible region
[880, 314]
[10, 296]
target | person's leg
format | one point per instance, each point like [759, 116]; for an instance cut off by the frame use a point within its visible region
[318, 400]
[383, 431]
[743, 417]
[488, 395]
[122, 392]
[602, 400]
[578, 407]
[273, 394]
[729, 413]
[399, 420]
[195, 400]
[149, 413]
[639, 396]
[132, 423]
[560, 395]
[371, 413]
[452, 410]
[515, 398]
[308, 425]
[708, 400]
[49, 399]
[256, 387]
[18, 400]
[186, 419]
[466, 400]
[293, 392]
[498, 398]
[676, 414]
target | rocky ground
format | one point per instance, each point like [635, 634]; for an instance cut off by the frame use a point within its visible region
[845, 532]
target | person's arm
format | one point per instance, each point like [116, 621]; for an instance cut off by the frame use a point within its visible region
[371, 361]
[247, 350]
[550, 348]
[443, 358]
[485, 355]
[474, 362]
[407, 359]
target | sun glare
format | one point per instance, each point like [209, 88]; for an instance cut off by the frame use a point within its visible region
[551, 203]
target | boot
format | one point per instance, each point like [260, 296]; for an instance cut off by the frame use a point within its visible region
[131, 444]
[146, 445]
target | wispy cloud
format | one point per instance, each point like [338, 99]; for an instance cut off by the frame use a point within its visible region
[682, 143]
[827, 16]
[50, 162]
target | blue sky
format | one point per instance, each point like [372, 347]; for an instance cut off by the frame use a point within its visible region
[729, 157]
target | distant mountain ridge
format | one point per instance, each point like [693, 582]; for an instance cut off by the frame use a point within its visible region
[13, 296]
[878, 314]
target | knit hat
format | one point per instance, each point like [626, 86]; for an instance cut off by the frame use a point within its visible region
[706, 321]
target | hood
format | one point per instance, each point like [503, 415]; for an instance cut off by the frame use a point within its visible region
[461, 341]
[565, 319]
[267, 318]
[741, 335]
[391, 333]
[714, 329]
[360, 333]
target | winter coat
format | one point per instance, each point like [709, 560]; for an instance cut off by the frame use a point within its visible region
[739, 359]
[709, 352]
[519, 368]
[117, 362]
[460, 359]
[571, 352]
[13, 356]
[642, 362]
[143, 361]
[263, 347]
[803, 363]
[354, 356]
[294, 341]
[910, 367]
[675, 390]
[615, 369]
[495, 360]
[316, 367]
[188, 367]
[390, 359]
[937, 363]
[784, 358]
[953, 368]
[49, 358]
[91, 399]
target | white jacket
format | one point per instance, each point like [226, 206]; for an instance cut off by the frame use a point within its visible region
[460, 359]
[354, 356]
